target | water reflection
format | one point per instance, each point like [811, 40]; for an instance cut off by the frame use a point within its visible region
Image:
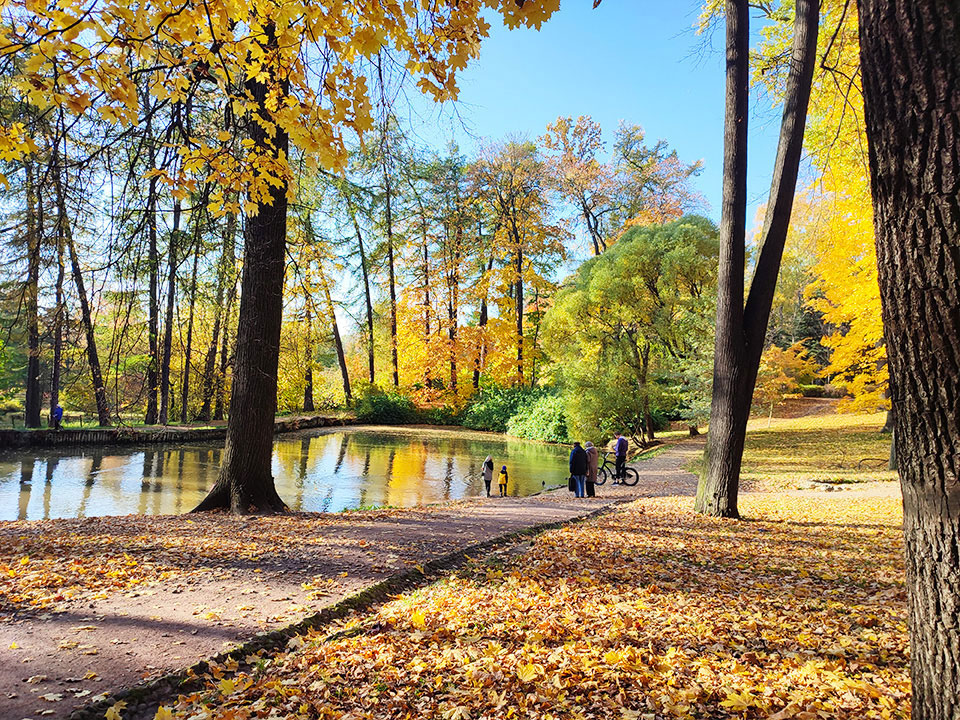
[321, 470]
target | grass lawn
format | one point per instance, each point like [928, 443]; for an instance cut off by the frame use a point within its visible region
[791, 453]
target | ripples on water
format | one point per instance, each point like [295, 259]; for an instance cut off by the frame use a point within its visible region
[319, 470]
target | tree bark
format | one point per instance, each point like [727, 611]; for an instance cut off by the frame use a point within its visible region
[164, 415]
[246, 482]
[910, 60]
[482, 325]
[741, 328]
[338, 343]
[366, 294]
[391, 272]
[519, 309]
[229, 266]
[58, 317]
[188, 350]
[93, 358]
[308, 374]
[34, 394]
[153, 262]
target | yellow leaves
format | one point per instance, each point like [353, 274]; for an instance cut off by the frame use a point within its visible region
[163, 713]
[738, 701]
[113, 712]
[529, 672]
[226, 686]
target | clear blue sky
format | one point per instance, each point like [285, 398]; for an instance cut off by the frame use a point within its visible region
[634, 60]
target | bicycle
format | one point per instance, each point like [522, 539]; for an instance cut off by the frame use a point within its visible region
[630, 475]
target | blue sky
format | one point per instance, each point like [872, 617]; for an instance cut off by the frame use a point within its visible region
[634, 60]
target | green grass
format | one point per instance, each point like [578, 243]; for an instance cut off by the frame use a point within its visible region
[821, 448]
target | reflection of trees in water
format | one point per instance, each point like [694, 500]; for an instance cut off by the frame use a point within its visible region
[50, 469]
[26, 487]
[96, 463]
[344, 440]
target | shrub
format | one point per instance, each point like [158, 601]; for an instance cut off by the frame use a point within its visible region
[493, 407]
[443, 415]
[543, 419]
[387, 408]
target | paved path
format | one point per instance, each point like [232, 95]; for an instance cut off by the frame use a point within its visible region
[230, 578]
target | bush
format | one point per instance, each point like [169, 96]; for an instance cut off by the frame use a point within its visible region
[386, 408]
[543, 419]
[444, 415]
[493, 407]
[10, 405]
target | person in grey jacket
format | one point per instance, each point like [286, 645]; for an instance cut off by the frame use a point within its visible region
[488, 473]
[593, 461]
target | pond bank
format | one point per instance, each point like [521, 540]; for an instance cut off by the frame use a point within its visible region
[45, 437]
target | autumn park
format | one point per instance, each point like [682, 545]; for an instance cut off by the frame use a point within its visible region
[479, 359]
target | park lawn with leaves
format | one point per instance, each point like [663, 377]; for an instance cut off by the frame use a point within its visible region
[793, 452]
[648, 612]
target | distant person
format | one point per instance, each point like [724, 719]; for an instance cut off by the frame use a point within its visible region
[57, 417]
[502, 481]
[620, 453]
[593, 461]
[488, 473]
[578, 469]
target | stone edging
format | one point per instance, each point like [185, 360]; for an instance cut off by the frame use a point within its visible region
[154, 692]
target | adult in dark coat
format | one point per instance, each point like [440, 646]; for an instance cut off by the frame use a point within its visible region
[578, 469]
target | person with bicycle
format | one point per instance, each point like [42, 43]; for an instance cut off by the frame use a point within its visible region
[620, 452]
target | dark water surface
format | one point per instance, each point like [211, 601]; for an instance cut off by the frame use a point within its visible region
[323, 470]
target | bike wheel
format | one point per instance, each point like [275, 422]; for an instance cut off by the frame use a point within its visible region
[631, 477]
[601, 476]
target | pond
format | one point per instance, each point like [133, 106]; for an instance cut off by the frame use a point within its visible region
[323, 470]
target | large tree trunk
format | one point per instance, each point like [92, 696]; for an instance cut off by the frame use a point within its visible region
[34, 392]
[392, 275]
[910, 60]
[164, 415]
[245, 482]
[741, 328]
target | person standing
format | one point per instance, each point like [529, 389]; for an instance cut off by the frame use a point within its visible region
[502, 481]
[57, 417]
[620, 453]
[488, 473]
[593, 460]
[578, 469]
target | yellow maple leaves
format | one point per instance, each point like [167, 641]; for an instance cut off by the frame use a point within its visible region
[312, 57]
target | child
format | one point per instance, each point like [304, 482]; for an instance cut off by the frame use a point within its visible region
[502, 480]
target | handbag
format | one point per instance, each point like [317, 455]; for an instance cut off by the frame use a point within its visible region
[571, 484]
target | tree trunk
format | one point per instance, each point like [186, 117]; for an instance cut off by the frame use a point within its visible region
[188, 351]
[741, 328]
[338, 343]
[245, 482]
[93, 358]
[58, 318]
[910, 60]
[482, 325]
[366, 294]
[34, 392]
[308, 374]
[229, 266]
[519, 289]
[392, 275]
[153, 262]
[164, 418]
[210, 360]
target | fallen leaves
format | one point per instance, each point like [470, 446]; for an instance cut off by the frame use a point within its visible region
[649, 613]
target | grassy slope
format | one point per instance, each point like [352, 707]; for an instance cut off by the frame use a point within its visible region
[792, 452]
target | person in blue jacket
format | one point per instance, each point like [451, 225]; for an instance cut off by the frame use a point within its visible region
[578, 469]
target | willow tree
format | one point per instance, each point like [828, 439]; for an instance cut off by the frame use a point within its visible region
[286, 72]
[910, 59]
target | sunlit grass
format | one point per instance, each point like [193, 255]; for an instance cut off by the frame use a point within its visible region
[834, 448]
